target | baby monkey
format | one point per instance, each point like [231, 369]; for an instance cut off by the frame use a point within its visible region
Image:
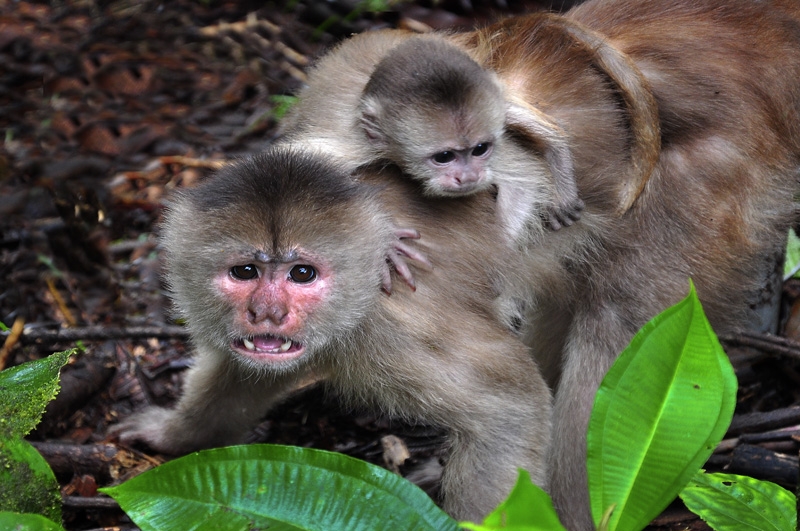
[432, 110]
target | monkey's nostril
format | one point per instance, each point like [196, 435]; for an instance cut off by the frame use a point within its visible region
[276, 314]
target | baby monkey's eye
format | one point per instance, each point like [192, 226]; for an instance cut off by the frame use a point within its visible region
[303, 273]
[481, 149]
[244, 272]
[444, 157]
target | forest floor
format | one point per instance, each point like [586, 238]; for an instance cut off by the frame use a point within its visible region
[107, 106]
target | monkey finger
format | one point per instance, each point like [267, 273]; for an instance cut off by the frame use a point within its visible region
[407, 233]
[386, 279]
[552, 220]
[402, 270]
[568, 217]
[563, 217]
[572, 211]
[412, 253]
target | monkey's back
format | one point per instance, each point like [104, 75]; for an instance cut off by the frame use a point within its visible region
[724, 75]
[721, 196]
[449, 322]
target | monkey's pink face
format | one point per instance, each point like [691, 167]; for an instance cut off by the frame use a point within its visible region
[271, 304]
[461, 171]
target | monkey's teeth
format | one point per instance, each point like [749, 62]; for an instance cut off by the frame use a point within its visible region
[286, 346]
[249, 345]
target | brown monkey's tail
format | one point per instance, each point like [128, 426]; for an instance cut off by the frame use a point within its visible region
[639, 99]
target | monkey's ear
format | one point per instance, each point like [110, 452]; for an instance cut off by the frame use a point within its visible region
[368, 119]
[537, 128]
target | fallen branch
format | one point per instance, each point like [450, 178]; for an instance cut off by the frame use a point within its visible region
[767, 343]
[101, 461]
[94, 502]
[11, 339]
[99, 332]
[757, 462]
[759, 422]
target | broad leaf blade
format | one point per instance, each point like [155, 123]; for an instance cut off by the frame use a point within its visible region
[25, 391]
[246, 487]
[658, 415]
[728, 502]
[27, 522]
[27, 483]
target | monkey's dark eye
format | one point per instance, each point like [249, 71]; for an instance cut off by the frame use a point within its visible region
[444, 157]
[244, 272]
[303, 273]
[481, 149]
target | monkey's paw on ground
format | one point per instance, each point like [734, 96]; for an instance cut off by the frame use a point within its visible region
[159, 428]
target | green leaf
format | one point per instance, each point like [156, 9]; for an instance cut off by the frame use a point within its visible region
[791, 265]
[728, 502]
[27, 484]
[256, 486]
[27, 522]
[376, 6]
[659, 413]
[282, 104]
[527, 508]
[25, 391]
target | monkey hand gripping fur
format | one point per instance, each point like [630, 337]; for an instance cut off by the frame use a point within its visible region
[276, 266]
[396, 257]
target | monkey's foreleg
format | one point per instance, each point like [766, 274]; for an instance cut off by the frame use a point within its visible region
[221, 402]
[498, 431]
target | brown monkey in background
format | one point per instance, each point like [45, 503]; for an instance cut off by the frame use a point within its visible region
[276, 266]
[718, 186]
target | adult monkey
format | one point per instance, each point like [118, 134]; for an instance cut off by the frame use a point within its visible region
[715, 207]
[683, 119]
[276, 266]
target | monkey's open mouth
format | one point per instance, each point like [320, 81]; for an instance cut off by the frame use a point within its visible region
[268, 347]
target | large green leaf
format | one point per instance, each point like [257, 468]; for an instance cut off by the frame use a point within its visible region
[527, 508]
[25, 391]
[728, 502]
[26, 522]
[27, 483]
[659, 413]
[285, 488]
